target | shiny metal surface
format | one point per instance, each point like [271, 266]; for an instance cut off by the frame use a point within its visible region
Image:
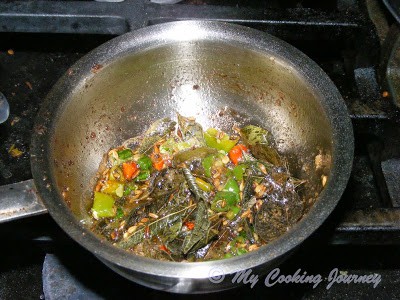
[394, 7]
[20, 200]
[221, 74]
[393, 67]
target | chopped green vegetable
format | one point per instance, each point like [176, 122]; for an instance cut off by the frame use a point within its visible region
[238, 172]
[143, 175]
[124, 154]
[182, 146]
[116, 173]
[114, 188]
[205, 186]
[230, 197]
[231, 186]
[129, 188]
[170, 146]
[144, 163]
[223, 201]
[207, 164]
[120, 213]
[237, 246]
[219, 205]
[103, 205]
[228, 255]
[219, 140]
[232, 212]
[241, 251]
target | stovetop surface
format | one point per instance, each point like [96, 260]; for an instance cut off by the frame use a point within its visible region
[359, 246]
[71, 270]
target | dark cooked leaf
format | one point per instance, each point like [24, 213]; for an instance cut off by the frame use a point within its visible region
[208, 237]
[259, 141]
[296, 182]
[155, 227]
[160, 127]
[248, 231]
[156, 131]
[192, 154]
[175, 246]
[248, 191]
[192, 131]
[270, 222]
[200, 229]
[168, 180]
[171, 232]
[253, 135]
[135, 214]
[191, 180]
[148, 142]
[150, 205]
[132, 143]
[248, 157]
[182, 197]
[264, 152]
[277, 215]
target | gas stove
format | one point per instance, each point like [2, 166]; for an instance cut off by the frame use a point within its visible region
[351, 40]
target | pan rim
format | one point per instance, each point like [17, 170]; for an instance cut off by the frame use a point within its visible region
[330, 99]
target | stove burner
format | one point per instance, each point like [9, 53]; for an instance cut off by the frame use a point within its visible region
[58, 281]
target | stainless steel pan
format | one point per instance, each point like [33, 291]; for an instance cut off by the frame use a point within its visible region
[220, 74]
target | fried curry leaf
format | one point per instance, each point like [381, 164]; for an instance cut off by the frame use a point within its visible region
[248, 231]
[253, 135]
[270, 221]
[171, 232]
[192, 154]
[248, 189]
[191, 180]
[156, 131]
[154, 227]
[201, 227]
[168, 180]
[192, 131]
[276, 216]
[258, 140]
[208, 237]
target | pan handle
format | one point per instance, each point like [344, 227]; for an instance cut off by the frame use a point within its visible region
[20, 200]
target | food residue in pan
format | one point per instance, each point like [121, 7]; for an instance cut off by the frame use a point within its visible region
[180, 193]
